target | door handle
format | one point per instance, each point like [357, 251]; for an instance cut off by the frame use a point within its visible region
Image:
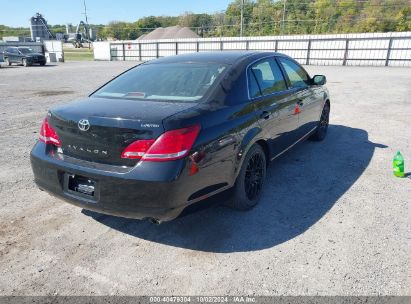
[265, 115]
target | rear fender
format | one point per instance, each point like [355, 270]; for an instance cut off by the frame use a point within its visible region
[250, 138]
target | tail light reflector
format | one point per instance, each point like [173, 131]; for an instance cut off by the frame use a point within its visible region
[48, 135]
[171, 145]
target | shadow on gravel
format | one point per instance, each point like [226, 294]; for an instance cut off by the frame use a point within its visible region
[301, 187]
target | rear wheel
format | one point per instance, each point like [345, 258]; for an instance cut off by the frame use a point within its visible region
[322, 127]
[43, 63]
[249, 184]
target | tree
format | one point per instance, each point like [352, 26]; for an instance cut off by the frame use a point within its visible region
[233, 16]
[118, 30]
[325, 15]
[149, 22]
[347, 11]
[403, 19]
[266, 18]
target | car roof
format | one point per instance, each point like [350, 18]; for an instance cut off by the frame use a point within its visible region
[224, 57]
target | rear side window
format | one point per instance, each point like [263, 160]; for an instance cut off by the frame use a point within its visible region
[265, 77]
[26, 50]
[296, 74]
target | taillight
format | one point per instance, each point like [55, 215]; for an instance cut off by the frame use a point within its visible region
[137, 148]
[48, 135]
[171, 145]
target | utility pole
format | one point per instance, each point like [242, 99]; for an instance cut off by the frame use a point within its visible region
[242, 18]
[85, 11]
[87, 29]
[284, 11]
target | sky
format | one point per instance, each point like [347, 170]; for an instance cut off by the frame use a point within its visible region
[101, 11]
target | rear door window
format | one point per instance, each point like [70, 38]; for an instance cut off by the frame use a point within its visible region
[296, 74]
[265, 78]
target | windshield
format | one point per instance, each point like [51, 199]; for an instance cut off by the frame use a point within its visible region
[185, 82]
[26, 50]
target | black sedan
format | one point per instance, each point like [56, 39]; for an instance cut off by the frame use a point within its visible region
[173, 131]
[23, 55]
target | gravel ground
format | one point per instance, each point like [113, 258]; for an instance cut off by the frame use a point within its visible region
[332, 221]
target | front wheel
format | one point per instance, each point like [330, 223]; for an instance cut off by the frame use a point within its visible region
[322, 128]
[249, 184]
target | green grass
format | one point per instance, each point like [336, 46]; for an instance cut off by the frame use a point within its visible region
[82, 54]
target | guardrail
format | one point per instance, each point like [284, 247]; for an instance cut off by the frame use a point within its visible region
[382, 51]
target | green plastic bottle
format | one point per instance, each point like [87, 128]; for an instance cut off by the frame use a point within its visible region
[398, 165]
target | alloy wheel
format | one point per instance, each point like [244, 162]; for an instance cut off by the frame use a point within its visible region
[254, 176]
[324, 120]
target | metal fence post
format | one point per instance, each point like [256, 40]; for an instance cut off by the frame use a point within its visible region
[198, 46]
[157, 50]
[247, 45]
[387, 60]
[124, 52]
[139, 51]
[347, 41]
[307, 62]
[276, 45]
[221, 45]
[176, 48]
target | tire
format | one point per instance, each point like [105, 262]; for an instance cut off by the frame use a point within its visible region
[7, 61]
[322, 128]
[250, 181]
[42, 63]
[24, 62]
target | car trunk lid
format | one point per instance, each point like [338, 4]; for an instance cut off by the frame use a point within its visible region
[99, 129]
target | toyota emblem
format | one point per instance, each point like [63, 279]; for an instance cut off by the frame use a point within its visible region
[83, 125]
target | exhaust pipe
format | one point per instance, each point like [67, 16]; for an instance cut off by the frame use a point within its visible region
[155, 221]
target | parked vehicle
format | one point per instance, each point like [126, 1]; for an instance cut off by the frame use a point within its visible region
[176, 130]
[23, 55]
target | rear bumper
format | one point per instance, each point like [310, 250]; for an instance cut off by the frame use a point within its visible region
[36, 60]
[149, 190]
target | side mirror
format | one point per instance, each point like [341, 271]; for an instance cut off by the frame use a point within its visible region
[319, 80]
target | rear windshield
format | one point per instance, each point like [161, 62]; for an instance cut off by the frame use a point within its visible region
[182, 82]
